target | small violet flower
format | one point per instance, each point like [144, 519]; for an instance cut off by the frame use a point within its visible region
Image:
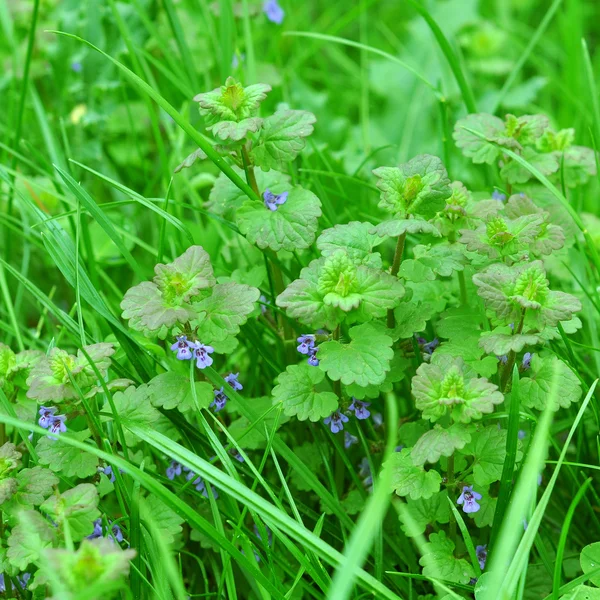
[272, 201]
[273, 11]
[306, 343]
[173, 470]
[220, 400]
[236, 455]
[97, 532]
[481, 553]
[428, 347]
[313, 361]
[502, 359]
[496, 195]
[360, 409]
[58, 425]
[336, 421]
[521, 434]
[349, 439]
[526, 362]
[364, 472]
[46, 416]
[468, 499]
[183, 348]
[263, 300]
[232, 380]
[76, 66]
[108, 471]
[201, 354]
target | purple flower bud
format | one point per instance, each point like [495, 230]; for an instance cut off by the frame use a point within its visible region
[521, 434]
[428, 347]
[201, 354]
[496, 195]
[220, 400]
[364, 472]
[236, 455]
[47, 415]
[97, 533]
[117, 534]
[273, 11]
[232, 380]
[263, 300]
[377, 420]
[526, 362]
[502, 359]
[481, 553]
[183, 348]
[360, 409]
[313, 361]
[468, 499]
[336, 421]
[173, 470]
[307, 343]
[349, 439]
[237, 59]
[76, 66]
[272, 201]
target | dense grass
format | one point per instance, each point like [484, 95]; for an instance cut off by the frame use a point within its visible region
[98, 112]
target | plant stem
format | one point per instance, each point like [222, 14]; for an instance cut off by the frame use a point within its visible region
[462, 284]
[391, 320]
[510, 363]
[249, 170]
[450, 487]
[337, 385]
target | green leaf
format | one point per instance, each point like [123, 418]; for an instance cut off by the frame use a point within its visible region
[488, 449]
[78, 507]
[407, 479]
[8, 488]
[579, 165]
[535, 389]
[221, 314]
[230, 130]
[514, 173]
[439, 442]
[166, 520]
[527, 129]
[311, 456]
[397, 372]
[155, 307]
[63, 458]
[365, 360]
[430, 261]
[291, 227]
[423, 512]
[353, 503]
[29, 539]
[590, 560]
[225, 197]
[50, 378]
[448, 384]
[503, 340]
[355, 239]
[438, 561]
[296, 391]
[232, 101]
[10, 459]
[33, 487]
[411, 318]
[484, 517]
[478, 149]
[281, 138]
[172, 390]
[398, 227]
[582, 592]
[8, 362]
[418, 187]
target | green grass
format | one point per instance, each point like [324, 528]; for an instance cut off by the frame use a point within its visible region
[89, 203]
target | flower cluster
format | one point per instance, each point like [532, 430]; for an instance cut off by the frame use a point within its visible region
[197, 351]
[220, 397]
[306, 346]
[51, 421]
[337, 419]
[113, 530]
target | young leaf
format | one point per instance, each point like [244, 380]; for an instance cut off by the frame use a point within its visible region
[189, 160]
[535, 389]
[398, 227]
[281, 138]
[438, 561]
[365, 360]
[438, 442]
[296, 391]
[230, 130]
[515, 173]
[407, 479]
[419, 187]
[33, 487]
[77, 506]
[291, 227]
[356, 239]
[503, 340]
[478, 149]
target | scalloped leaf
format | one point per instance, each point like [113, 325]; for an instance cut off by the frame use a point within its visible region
[438, 442]
[356, 239]
[364, 361]
[236, 131]
[438, 561]
[291, 227]
[64, 458]
[296, 391]
[479, 150]
[423, 512]
[398, 227]
[503, 340]
[409, 480]
[172, 390]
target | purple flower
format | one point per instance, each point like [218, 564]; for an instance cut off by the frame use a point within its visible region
[237, 59]
[201, 354]
[481, 553]
[236, 455]
[336, 421]
[22, 579]
[263, 300]
[502, 359]
[173, 470]
[273, 11]
[220, 400]
[428, 347]
[57, 425]
[108, 471]
[76, 66]
[468, 499]
[349, 439]
[360, 409]
[306, 343]
[496, 195]
[232, 380]
[313, 361]
[272, 201]
[47, 415]
[539, 480]
[364, 472]
[198, 483]
[521, 434]
[97, 533]
[183, 348]
[526, 362]
[117, 534]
